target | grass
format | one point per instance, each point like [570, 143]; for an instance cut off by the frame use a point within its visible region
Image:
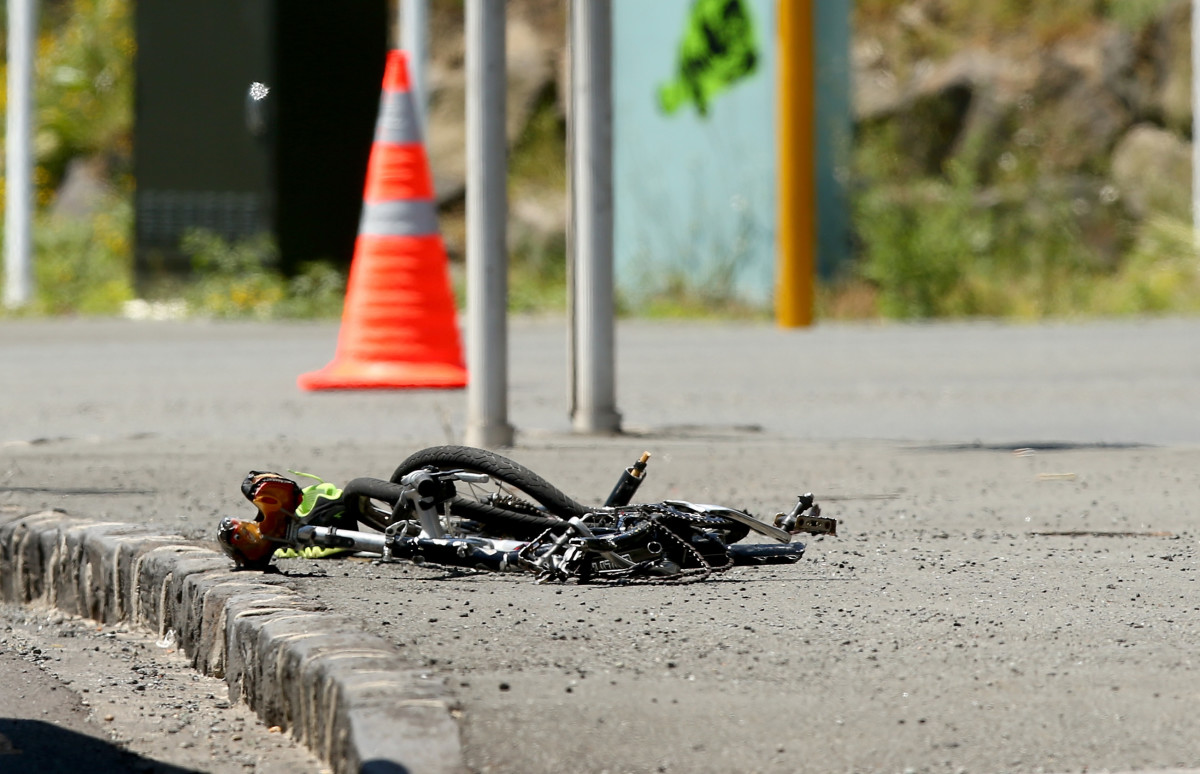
[942, 247]
[537, 275]
[240, 280]
[1160, 276]
[81, 265]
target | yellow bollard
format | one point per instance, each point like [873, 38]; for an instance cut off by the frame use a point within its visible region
[794, 295]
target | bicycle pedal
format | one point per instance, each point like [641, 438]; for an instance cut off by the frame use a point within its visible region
[815, 525]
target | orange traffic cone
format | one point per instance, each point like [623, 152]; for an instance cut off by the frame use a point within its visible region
[398, 324]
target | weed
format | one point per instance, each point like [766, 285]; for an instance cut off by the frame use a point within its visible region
[537, 272]
[945, 247]
[317, 291]
[82, 265]
[1160, 275]
[240, 280]
[537, 275]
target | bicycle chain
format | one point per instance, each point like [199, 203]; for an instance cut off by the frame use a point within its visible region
[656, 515]
[684, 575]
[513, 503]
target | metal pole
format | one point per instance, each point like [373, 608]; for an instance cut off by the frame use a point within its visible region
[18, 187]
[487, 212]
[594, 401]
[572, 370]
[797, 205]
[833, 129]
[414, 38]
[1196, 119]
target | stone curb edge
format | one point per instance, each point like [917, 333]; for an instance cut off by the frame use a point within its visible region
[347, 695]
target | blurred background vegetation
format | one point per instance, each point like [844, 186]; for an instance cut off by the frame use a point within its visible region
[83, 119]
[1012, 159]
[1021, 159]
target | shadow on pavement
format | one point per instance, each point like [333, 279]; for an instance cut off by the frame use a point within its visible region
[382, 767]
[37, 746]
[1028, 446]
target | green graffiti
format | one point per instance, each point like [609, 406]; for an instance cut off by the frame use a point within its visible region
[718, 49]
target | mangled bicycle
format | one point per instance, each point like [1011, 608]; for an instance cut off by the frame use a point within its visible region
[461, 507]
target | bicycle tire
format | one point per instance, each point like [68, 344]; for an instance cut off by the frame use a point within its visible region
[543, 505]
[357, 496]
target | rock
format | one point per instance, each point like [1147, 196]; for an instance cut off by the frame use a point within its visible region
[1165, 67]
[446, 135]
[533, 43]
[84, 187]
[996, 85]
[1084, 92]
[926, 117]
[537, 224]
[531, 72]
[1151, 169]
[1067, 102]
[540, 214]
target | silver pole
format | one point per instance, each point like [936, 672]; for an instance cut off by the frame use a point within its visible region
[18, 186]
[414, 38]
[1196, 119]
[594, 401]
[487, 212]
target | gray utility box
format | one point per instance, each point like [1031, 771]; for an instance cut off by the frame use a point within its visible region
[206, 155]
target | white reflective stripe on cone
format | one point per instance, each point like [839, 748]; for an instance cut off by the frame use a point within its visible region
[408, 217]
[398, 122]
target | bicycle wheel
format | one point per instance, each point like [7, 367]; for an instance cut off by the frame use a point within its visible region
[516, 502]
[361, 498]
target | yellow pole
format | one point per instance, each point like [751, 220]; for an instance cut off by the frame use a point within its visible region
[797, 185]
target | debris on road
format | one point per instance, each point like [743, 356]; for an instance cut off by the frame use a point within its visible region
[508, 519]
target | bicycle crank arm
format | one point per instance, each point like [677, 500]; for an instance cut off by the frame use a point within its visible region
[765, 553]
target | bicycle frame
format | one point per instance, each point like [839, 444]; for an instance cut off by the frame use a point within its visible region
[669, 539]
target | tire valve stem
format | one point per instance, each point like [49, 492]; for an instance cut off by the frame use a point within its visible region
[631, 478]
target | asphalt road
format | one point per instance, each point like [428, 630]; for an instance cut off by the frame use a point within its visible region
[982, 610]
[1086, 383]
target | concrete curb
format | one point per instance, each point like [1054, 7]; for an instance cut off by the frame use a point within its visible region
[347, 695]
